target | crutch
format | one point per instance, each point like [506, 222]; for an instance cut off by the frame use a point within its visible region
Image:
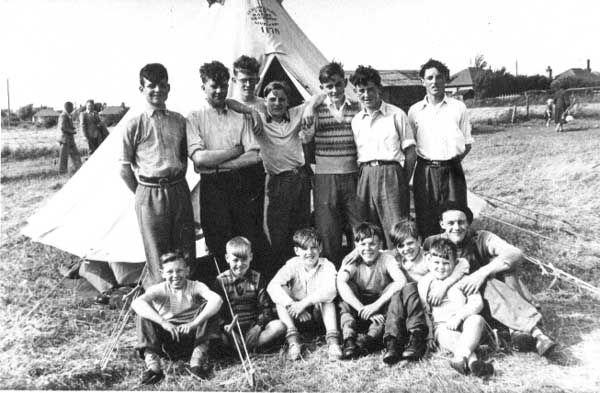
[247, 365]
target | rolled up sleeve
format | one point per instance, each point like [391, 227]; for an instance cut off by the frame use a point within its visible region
[405, 131]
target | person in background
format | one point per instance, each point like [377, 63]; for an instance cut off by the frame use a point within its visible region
[92, 127]
[68, 147]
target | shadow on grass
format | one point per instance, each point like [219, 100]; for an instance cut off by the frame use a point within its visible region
[487, 129]
[34, 175]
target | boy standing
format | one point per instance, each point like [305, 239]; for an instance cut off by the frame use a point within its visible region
[154, 158]
[458, 327]
[384, 141]
[443, 132]
[221, 145]
[493, 271]
[247, 293]
[245, 78]
[336, 171]
[92, 127]
[366, 283]
[304, 290]
[175, 318]
[68, 147]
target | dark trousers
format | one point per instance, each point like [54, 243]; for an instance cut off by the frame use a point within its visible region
[93, 143]
[228, 208]
[405, 314]
[166, 221]
[153, 337]
[288, 210]
[383, 196]
[336, 208]
[434, 185]
[351, 324]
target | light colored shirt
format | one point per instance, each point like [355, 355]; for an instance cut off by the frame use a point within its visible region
[442, 130]
[455, 302]
[154, 143]
[210, 129]
[179, 306]
[418, 267]
[298, 281]
[280, 144]
[372, 280]
[382, 135]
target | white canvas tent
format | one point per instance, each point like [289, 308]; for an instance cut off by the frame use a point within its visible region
[93, 216]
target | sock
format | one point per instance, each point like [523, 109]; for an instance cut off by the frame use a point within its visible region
[537, 333]
[332, 337]
[292, 336]
[152, 361]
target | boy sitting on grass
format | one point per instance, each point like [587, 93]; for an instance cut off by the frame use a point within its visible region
[366, 282]
[303, 290]
[175, 318]
[247, 293]
[458, 326]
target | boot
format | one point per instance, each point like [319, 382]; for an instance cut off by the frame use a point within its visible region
[392, 351]
[349, 348]
[415, 349]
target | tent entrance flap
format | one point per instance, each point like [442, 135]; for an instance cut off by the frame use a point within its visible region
[274, 71]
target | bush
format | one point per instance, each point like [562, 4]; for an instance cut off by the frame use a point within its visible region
[490, 83]
[25, 113]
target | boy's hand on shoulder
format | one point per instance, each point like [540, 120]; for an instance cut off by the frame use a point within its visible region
[472, 282]
[171, 329]
[437, 291]
[377, 318]
[454, 322]
[368, 311]
[351, 258]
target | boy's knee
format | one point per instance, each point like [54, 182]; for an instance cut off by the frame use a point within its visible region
[475, 321]
[277, 327]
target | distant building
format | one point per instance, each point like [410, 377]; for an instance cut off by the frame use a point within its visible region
[400, 87]
[582, 74]
[463, 83]
[46, 117]
[111, 115]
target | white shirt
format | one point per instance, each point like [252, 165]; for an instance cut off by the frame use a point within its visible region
[442, 130]
[382, 135]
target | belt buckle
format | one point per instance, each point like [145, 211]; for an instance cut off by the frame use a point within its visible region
[163, 182]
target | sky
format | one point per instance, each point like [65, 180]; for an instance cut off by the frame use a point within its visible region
[59, 50]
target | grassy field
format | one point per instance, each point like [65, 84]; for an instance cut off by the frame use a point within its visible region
[59, 345]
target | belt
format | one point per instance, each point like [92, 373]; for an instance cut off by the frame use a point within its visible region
[294, 171]
[452, 161]
[379, 163]
[217, 172]
[161, 181]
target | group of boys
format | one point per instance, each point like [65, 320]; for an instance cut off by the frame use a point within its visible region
[364, 159]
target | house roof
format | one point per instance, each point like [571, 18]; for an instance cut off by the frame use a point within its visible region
[580, 73]
[465, 77]
[114, 110]
[47, 112]
[396, 77]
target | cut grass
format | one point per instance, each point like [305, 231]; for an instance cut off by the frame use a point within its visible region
[531, 166]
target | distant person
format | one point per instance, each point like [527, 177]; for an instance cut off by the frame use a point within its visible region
[92, 127]
[443, 133]
[154, 162]
[549, 113]
[68, 147]
[494, 266]
[177, 318]
[246, 290]
[561, 106]
[458, 327]
[336, 171]
[385, 146]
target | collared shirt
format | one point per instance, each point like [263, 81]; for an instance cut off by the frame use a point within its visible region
[212, 129]
[248, 297]
[179, 306]
[335, 150]
[298, 281]
[90, 124]
[372, 280]
[442, 130]
[382, 135]
[154, 143]
[454, 302]
[481, 247]
[280, 143]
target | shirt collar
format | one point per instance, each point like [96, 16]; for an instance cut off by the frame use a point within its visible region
[236, 279]
[269, 118]
[383, 108]
[425, 101]
[150, 110]
[330, 104]
[223, 111]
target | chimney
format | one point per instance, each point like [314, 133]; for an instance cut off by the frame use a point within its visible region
[588, 66]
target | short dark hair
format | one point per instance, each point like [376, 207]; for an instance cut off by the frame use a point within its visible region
[363, 75]
[366, 230]
[329, 70]
[172, 256]
[307, 237]
[90, 101]
[154, 72]
[277, 85]
[402, 231]
[214, 70]
[246, 64]
[444, 248]
[453, 205]
[438, 65]
[68, 104]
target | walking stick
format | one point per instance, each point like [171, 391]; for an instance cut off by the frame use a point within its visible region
[249, 371]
